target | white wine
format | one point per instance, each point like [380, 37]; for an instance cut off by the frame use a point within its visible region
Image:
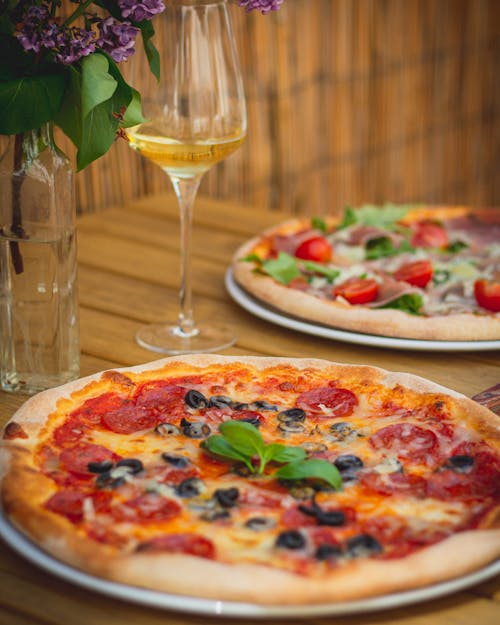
[183, 158]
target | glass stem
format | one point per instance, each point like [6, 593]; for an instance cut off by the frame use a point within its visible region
[185, 190]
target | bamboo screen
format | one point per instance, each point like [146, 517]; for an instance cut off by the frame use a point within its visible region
[350, 101]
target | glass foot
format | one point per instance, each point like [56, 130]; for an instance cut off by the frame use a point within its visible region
[208, 337]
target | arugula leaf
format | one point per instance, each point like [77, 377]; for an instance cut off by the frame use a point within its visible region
[410, 303]
[283, 269]
[328, 272]
[319, 224]
[384, 216]
[380, 247]
[252, 258]
[348, 219]
[456, 246]
[314, 467]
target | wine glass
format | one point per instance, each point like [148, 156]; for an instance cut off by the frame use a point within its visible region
[196, 117]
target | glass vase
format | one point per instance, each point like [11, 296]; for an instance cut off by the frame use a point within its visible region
[39, 332]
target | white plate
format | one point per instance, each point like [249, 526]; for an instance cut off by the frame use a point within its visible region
[259, 309]
[211, 607]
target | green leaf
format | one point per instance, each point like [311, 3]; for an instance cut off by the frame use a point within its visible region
[380, 247]
[97, 84]
[410, 303]
[312, 468]
[348, 219]
[244, 437]
[147, 32]
[218, 445]
[456, 246]
[319, 224]
[287, 454]
[283, 269]
[252, 258]
[328, 272]
[29, 102]
[133, 114]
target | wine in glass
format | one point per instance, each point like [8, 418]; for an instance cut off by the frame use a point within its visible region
[196, 117]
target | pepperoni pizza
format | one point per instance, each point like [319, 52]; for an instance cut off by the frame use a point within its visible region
[261, 480]
[429, 273]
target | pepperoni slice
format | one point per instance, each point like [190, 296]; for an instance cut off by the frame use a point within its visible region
[395, 483]
[76, 459]
[192, 544]
[69, 432]
[146, 508]
[69, 503]
[293, 518]
[407, 441]
[129, 418]
[94, 409]
[163, 398]
[328, 401]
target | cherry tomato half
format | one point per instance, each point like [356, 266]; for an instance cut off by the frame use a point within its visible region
[487, 294]
[357, 290]
[429, 234]
[418, 273]
[316, 248]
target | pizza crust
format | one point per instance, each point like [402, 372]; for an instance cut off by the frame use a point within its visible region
[24, 489]
[383, 322]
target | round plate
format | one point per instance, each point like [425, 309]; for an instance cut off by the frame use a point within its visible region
[211, 607]
[259, 309]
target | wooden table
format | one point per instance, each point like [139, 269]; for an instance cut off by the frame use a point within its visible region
[128, 274]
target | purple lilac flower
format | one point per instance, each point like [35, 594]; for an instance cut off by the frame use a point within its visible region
[117, 38]
[264, 6]
[37, 31]
[73, 44]
[139, 11]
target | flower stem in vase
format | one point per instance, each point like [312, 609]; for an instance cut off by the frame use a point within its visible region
[17, 223]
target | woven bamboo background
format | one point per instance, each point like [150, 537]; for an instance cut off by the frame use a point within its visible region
[350, 101]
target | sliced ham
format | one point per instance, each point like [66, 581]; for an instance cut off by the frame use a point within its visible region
[390, 289]
[289, 243]
[360, 235]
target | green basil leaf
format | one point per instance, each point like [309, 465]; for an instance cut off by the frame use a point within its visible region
[328, 272]
[283, 269]
[252, 258]
[287, 454]
[312, 468]
[410, 303]
[319, 224]
[218, 445]
[244, 437]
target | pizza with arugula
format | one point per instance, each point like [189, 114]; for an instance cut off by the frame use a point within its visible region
[410, 272]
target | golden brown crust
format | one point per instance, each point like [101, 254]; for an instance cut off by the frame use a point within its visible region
[24, 491]
[383, 322]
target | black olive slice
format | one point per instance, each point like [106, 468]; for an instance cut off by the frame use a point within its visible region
[190, 487]
[291, 427]
[460, 463]
[176, 461]
[327, 552]
[292, 414]
[348, 462]
[334, 518]
[255, 421]
[363, 545]
[100, 467]
[167, 429]
[342, 430]
[291, 539]
[196, 429]
[226, 497]
[260, 523]
[220, 401]
[261, 404]
[195, 399]
[134, 464]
